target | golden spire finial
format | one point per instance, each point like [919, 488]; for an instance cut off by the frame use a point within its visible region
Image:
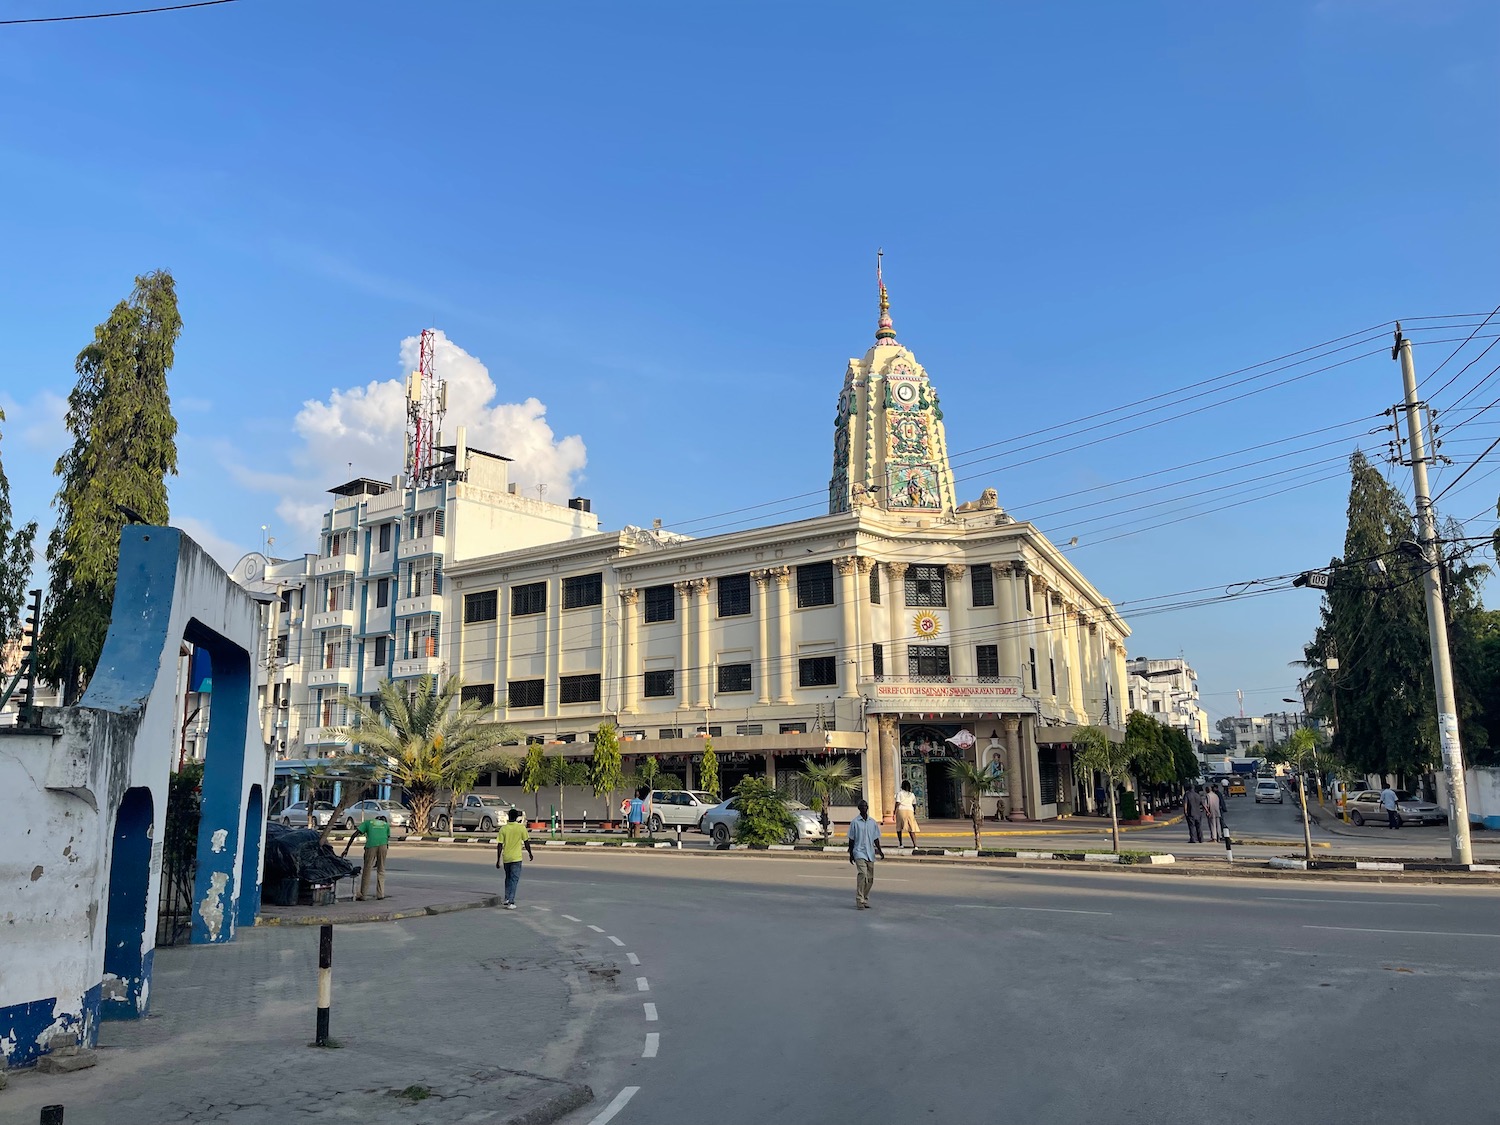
[884, 332]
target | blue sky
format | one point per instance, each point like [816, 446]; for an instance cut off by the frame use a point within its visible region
[659, 222]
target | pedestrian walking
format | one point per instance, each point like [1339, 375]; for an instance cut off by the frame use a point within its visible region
[864, 846]
[513, 841]
[906, 813]
[1212, 806]
[1388, 803]
[638, 811]
[1192, 812]
[377, 834]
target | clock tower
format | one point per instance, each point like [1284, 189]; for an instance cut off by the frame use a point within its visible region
[889, 450]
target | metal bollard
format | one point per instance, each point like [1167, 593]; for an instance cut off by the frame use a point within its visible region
[679, 837]
[325, 983]
[1228, 847]
[52, 1115]
[585, 820]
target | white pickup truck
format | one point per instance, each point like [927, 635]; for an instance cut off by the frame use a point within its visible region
[476, 811]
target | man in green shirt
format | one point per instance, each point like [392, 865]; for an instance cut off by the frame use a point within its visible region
[377, 834]
[513, 840]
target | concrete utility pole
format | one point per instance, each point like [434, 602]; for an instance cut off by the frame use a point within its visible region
[1437, 620]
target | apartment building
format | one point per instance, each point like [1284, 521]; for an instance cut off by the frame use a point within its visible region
[1167, 690]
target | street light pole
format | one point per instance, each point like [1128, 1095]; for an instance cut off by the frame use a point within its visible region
[1437, 620]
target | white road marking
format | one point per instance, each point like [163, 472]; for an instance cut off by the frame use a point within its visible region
[650, 1012]
[641, 985]
[634, 960]
[653, 1041]
[597, 929]
[616, 940]
[615, 1106]
[845, 878]
[570, 918]
[1341, 901]
[1035, 909]
[534, 906]
[1413, 933]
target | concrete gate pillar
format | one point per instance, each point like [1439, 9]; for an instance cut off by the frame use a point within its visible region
[1015, 782]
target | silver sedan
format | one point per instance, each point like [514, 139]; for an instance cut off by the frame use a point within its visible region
[718, 822]
[295, 815]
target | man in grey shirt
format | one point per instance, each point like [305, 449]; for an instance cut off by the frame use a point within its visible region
[1192, 812]
[864, 846]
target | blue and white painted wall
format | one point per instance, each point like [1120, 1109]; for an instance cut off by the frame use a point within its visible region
[80, 845]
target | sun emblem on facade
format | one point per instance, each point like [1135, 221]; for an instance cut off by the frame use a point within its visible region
[926, 624]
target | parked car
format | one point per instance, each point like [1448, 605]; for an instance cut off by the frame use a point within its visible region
[394, 814]
[295, 815]
[685, 807]
[479, 811]
[1365, 805]
[718, 822]
[1268, 789]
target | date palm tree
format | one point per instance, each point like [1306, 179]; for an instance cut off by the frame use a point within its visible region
[425, 741]
[1093, 750]
[830, 781]
[976, 781]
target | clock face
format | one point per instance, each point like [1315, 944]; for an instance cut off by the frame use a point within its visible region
[906, 392]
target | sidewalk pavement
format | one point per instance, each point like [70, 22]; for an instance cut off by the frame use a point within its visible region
[470, 1017]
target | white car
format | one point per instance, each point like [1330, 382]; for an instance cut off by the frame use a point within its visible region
[1268, 789]
[295, 816]
[394, 814]
[671, 807]
[718, 822]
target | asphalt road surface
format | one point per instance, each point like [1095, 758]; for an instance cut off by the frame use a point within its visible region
[752, 991]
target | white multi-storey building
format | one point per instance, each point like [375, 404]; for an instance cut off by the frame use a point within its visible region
[1167, 690]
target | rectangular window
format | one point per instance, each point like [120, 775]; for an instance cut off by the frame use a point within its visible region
[281, 643]
[1026, 581]
[877, 656]
[925, 585]
[286, 601]
[385, 537]
[1033, 668]
[580, 689]
[528, 599]
[661, 604]
[481, 606]
[1052, 673]
[669, 732]
[382, 593]
[793, 728]
[660, 684]
[982, 580]
[381, 644]
[987, 660]
[875, 584]
[734, 595]
[927, 660]
[483, 694]
[816, 671]
[526, 693]
[734, 677]
[748, 728]
[814, 585]
[582, 590]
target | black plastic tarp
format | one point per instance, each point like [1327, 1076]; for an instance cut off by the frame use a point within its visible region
[296, 853]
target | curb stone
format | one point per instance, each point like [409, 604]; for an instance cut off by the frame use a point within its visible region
[381, 915]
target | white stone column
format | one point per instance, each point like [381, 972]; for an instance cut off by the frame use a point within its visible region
[896, 622]
[864, 660]
[847, 567]
[502, 650]
[890, 767]
[683, 680]
[1015, 781]
[703, 610]
[630, 664]
[1011, 656]
[961, 660]
[765, 663]
[552, 687]
[786, 661]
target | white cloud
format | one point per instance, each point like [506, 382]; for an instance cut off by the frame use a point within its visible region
[224, 552]
[359, 431]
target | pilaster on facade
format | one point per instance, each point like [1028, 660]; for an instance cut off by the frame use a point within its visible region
[703, 668]
[763, 664]
[630, 673]
[895, 620]
[847, 567]
[785, 658]
[682, 681]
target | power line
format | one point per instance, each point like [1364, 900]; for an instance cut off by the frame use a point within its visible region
[1433, 373]
[1454, 484]
[113, 15]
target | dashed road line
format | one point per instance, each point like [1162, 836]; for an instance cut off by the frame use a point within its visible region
[650, 1011]
[534, 906]
[570, 918]
[653, 1041]
[641, 985]
[1412, 933]
[616, 1105]
[634, 960]
[596, 929]
[616, 940]
[1033, 909]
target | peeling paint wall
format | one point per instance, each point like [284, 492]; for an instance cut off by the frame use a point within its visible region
[64, 788]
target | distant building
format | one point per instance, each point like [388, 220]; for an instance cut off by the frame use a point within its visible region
[1167, 690]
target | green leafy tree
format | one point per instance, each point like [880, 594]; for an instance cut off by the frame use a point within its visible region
[975, 781]
[708, 774]
[764, 817]
[1185, 765]
[124, 447]
[534, 775]
[16, 558]
[563, 772]
[424, 742]
[829, 782]
[1093, 751]
[607, 768]
[1301, 752]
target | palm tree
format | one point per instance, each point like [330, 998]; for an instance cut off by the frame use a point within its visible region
[976, 782]
[1093, 750]
[425, 741]
[836, 779]
[563, 772]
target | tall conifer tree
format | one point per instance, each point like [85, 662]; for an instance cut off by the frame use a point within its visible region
[124, 446]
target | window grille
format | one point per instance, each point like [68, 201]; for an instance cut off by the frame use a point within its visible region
[661, 603]
[579, 689]
[583, 590]
[734, 677]
[525, 693]
[734, 595]
[660, 683]
[814, 585]
[982, 581]
[481, 606]
[817, 671]
[528, 599]
[987, 661]
[925, 585]
[926, 662]
[478, 693]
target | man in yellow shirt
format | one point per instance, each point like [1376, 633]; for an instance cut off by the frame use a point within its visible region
[513, 839]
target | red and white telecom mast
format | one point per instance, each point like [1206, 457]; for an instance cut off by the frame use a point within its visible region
[426, 403]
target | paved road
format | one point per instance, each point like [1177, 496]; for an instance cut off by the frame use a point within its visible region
[1019, 996]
